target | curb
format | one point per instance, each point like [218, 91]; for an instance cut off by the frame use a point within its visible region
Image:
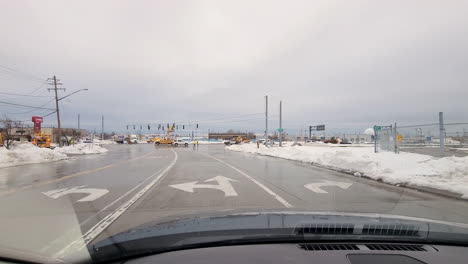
[430, 190]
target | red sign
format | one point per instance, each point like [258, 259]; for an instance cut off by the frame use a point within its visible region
[37, 124]
[37, 119]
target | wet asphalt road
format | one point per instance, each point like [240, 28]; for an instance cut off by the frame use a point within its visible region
[135, 184]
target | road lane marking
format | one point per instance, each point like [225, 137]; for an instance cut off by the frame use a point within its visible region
[315, 187]
[73, 175]
[59, 240]
[118, 199]
[93, 193]
[224, 185]
[266, 189]
[97, 229]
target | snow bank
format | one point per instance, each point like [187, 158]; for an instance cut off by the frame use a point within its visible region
[449, 174]
[81, 148]
[208, 142]
[105, 141]
[27, 153]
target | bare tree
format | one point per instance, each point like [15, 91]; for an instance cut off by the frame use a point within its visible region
[461, 139]
[7, 126]
[71, 136]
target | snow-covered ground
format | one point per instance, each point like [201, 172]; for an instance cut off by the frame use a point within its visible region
[449, 174]
[81, 148]
[27, 153]
[105, 141]
[207, 142]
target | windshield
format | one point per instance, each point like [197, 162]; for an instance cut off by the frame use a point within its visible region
[120, 118]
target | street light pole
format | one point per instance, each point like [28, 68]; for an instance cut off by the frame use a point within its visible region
[59, 132]
[57, 109]
[266, 119]
[72, 93]
[280, 125]
[102, 128]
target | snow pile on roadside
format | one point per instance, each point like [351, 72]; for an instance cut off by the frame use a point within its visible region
[27, 153]
[449, 174]
[105, 141]
[81, 148]
[207, 142]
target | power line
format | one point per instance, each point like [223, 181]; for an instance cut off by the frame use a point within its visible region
[49, 113]
[33, 109]
[37, 89]
[412, 126]
[18, 74]
[188, 122]
[27, 95]
[224, 118]
[22, 77]
[455, 124]
[27, 106]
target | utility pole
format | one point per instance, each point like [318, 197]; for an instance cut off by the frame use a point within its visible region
[102, 128]
[280, 125]
[395, 138]
[57, 109]
[78, 121]
[441, 132]
[266, 119]
[375, 139]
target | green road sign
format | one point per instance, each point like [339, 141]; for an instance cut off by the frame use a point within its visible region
[280, 129]
[377, 128]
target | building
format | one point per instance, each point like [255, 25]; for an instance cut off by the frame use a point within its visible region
[225, 136]
[22, 134]
[25, 133]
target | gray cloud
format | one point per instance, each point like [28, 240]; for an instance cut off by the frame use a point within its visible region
[349, 64]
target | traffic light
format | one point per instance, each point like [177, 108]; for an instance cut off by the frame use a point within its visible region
[133, 127]
[197, 125]
[183, 126]
[149, 128]
[141, 127]
[127, 127]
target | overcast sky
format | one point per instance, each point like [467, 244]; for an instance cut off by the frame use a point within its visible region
[346, 64]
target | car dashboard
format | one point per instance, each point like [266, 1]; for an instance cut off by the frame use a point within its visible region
[345, 253]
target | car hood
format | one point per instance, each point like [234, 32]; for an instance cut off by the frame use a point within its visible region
[279, 226]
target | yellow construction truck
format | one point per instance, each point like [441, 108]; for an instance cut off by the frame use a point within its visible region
[41, 140]
[236, 140]
[163, 141]
[167, 139]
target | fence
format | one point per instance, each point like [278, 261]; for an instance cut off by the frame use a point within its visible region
[435, 137]
[385, 139]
